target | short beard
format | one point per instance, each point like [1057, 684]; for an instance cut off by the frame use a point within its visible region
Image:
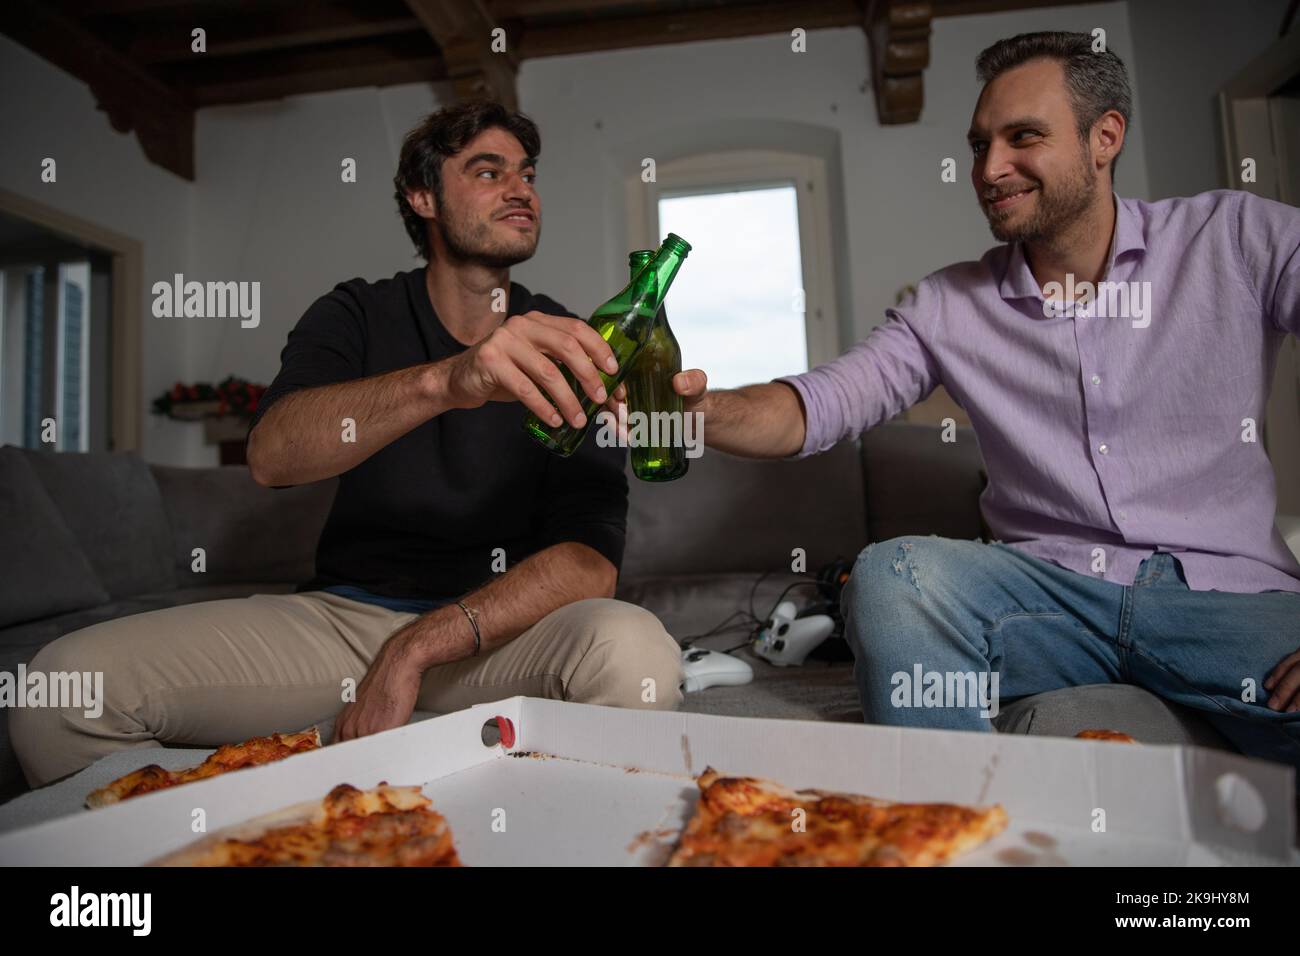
[1057, 209]
[469, 242]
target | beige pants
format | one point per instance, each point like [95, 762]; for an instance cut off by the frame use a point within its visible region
[223, 671]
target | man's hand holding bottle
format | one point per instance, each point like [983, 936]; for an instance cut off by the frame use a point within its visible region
[515, 363]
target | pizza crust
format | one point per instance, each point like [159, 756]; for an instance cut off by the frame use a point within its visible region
[228, 757]
[1115, 736]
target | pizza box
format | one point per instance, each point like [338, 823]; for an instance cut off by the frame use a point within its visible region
[575, 784]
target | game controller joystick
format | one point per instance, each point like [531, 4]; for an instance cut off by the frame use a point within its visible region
[703, 668]
[788, 639]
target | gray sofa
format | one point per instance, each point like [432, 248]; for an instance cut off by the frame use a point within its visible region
[91, 537]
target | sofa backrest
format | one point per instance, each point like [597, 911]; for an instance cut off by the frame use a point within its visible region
[138, 524]
[43, 569]
[741, 515]
[248, 533]
[916, 483]
[111, 505]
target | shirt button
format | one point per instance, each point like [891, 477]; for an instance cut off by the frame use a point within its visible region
[1104, 449]
[1123, 516]
[1096, 380]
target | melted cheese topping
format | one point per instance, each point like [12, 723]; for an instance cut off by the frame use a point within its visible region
[742, 821]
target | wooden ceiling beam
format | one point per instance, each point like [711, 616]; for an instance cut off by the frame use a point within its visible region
[967, 8]
[722, 23]
[275, 76]
[279, 30]
[536, 9]
[463, 31]
[134, 98]
[113, 8]
[898, 34]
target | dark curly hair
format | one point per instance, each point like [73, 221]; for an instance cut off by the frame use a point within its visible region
[443, 134]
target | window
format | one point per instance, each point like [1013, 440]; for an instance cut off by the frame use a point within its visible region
[33, 323]
[54, 333]
[70, 309]
[755, 299]
[73, 356]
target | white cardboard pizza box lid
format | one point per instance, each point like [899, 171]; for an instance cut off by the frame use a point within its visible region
[595, 785]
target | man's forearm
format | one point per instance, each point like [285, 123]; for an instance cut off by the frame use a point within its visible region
[301, 437]
[756, 421]
[509, 604]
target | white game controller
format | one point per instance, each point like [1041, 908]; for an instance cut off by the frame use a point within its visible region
[788, 641]
[702, 668]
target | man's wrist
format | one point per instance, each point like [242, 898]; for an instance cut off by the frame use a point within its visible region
[435, 385]
[471, 615]
[441, 636]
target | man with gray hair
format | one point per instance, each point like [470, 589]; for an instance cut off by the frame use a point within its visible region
[1134, 516]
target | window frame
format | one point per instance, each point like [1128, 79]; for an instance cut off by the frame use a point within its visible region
[741, 170]
[121, 421]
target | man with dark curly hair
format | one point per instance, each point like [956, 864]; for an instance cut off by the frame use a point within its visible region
[461, 562]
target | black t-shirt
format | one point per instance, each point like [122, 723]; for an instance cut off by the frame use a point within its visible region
[423, 516]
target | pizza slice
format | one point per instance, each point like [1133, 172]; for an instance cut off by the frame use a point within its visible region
[386, 826]
[228, 757]
[1115, 736]
[745, 821]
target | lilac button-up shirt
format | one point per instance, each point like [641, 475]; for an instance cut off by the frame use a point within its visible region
[1128, 428]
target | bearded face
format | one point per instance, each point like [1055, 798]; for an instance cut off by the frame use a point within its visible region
[1034, 175]
[1038, 210]
[497, 239]
[488, 211]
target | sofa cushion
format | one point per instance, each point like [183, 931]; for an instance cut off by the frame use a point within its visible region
[737, 514]
[1142, 715]
[46, 572]
[111, 504]
[916, 483]
[248, 532]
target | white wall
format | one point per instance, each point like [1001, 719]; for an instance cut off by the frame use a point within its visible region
[103, 176]
[270, 205]
[1189, 50]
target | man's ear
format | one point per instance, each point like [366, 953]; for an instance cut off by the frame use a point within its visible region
[422, 201]
[1107, 138]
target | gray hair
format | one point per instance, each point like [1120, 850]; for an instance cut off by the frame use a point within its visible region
[1097, 82]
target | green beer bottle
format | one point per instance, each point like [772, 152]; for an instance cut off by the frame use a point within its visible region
[624, 322]
[650, 391]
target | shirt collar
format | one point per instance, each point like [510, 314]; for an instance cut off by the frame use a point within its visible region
[1128, 230]
[1018, 281]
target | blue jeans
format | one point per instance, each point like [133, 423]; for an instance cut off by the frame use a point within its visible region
[916, 605]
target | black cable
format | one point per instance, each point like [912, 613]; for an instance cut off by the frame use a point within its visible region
[719, 628]
[788, 589]
[753, 591]
[750, 621]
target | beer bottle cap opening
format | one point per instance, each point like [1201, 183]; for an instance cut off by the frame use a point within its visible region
[677, 244]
